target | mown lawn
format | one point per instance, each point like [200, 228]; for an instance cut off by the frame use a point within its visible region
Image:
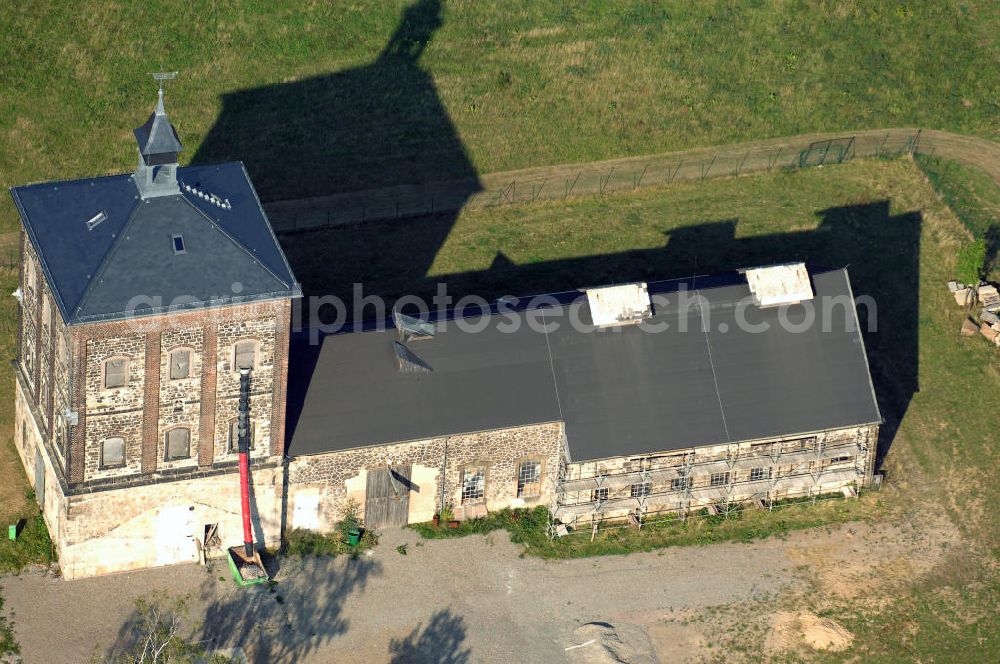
[333, 96]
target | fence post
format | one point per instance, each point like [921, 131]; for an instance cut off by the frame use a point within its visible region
[674, 173]
[777, 154]
[638, 180]
[704, 171]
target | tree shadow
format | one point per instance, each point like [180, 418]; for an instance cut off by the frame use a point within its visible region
[272, 624]
[292, 619]
[439, 642]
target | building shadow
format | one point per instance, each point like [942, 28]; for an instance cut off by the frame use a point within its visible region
[379, 125]
[856, 236]
[440, 641]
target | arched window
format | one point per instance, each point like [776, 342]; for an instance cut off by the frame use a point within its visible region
[178, 444]
[244, 354]
[113, 452]
[115, 372]
[180, 363]
[234, 435]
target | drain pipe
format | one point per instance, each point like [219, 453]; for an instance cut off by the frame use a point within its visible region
[243, 440]
[444, 474]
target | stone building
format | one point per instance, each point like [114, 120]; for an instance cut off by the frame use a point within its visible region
[141, 296]
[640, 398]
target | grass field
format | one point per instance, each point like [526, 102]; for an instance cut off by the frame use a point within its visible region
[321, 97]
[937, 390]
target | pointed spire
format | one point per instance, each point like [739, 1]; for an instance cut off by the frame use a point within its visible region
[158, 146]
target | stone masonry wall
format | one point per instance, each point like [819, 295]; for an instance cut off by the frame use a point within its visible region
[114, 412]
[319, 485]
[178, 402]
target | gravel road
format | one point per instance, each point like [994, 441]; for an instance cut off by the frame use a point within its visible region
[474, 599]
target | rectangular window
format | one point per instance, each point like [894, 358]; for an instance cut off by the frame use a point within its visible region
[529, 479]
[641, 489]
[473, 485]
[679, 483]
[245, 354]
[179, 244]
[180, 363]
[116, 372]
[760, 474]
[840, 459]
[598, 495]
[178, 444]
[719, 479]
[113, 453]
[234, 435]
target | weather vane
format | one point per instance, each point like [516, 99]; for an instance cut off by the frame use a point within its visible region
[161, 76]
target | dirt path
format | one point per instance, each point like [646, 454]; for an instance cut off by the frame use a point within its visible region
[596, 178]
[474, 597]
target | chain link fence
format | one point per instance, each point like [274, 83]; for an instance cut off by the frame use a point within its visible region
[596, 179]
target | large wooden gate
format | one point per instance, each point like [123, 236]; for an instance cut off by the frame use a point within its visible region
[387, 501]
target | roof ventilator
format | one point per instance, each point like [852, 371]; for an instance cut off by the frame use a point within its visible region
[619, 305]
[408, 360]
[410, 328]
[211, 198]
[96, 219]
[779, 284]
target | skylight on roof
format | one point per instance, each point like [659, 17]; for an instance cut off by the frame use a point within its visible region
[779, 284]
[619, 305]
[96, 219]
[179, 244]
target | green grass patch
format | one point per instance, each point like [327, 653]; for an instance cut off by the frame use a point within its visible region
[301, 542]
[8, 644]
[974, 197]
[32, 547]
[743, 524]
[425, 90]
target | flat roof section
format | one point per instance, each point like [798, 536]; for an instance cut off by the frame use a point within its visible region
[717, 369]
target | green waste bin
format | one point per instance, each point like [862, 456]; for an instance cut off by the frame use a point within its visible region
[354, 537]
[12, 532]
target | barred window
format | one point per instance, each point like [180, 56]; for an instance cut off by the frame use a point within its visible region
[245, 354]
[760, 474]
[529, 479]
[234, 435]
[178, 444]
[599, 494]
[718, 479]
[473, 485]
[680, 483]
[180, 363]
[113, 452]
[115, 372]
[641, 489]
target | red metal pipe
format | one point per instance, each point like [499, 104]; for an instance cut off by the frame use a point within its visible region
[245, 502]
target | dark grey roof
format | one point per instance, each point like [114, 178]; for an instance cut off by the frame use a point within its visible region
[622, 390]
[157, 135]
[231, 252]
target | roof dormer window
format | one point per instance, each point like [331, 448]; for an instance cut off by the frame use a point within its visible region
[179, 244]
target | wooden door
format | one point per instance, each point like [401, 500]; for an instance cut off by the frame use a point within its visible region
[387, 498]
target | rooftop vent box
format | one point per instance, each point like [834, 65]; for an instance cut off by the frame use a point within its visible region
[779, 284]
[619, 305]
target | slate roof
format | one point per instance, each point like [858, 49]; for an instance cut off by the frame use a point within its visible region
[620, 391]
[157, 135]
[231, 254]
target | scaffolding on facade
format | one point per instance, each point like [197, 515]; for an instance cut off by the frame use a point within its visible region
[678, 484]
